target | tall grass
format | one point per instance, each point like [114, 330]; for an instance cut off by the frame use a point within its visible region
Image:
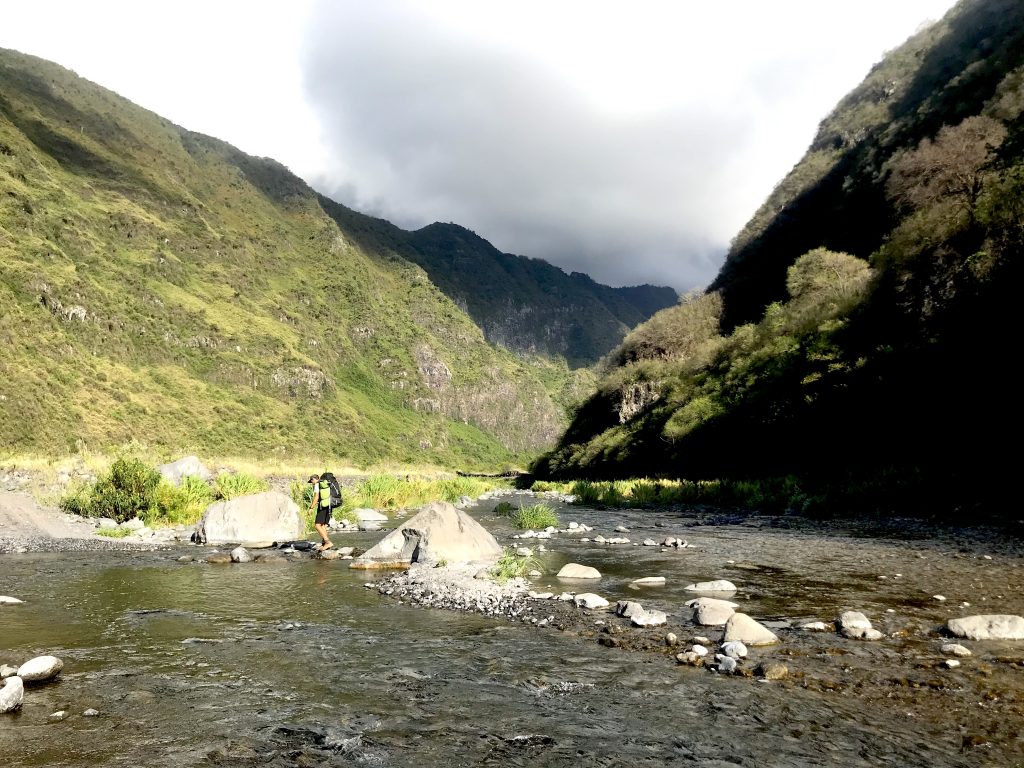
[769, 495]
[511, 566]
[230, 485]
[534, 517]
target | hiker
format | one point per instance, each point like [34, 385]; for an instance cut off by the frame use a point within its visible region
[322, 504]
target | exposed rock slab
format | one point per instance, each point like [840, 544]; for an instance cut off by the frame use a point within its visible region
[438, 532]
[577, 571]
[719, 585]
[267, 516]
[988, 627]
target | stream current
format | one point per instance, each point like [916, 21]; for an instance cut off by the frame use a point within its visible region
[298, 663]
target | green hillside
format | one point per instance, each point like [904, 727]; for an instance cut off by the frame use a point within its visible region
[162, 287]
[857, 340]
[522, 304]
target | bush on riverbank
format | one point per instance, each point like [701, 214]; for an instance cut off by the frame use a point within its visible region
[767, 495]
[128, 490]
[511, 566]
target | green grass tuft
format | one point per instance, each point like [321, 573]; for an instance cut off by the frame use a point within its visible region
[535, 517]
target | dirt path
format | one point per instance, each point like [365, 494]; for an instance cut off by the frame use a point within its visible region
[24, 525]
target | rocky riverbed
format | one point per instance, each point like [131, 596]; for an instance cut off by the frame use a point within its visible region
[310, 662]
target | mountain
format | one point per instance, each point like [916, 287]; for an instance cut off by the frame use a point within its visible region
[857, 342]
[162, 287]
[526, 305]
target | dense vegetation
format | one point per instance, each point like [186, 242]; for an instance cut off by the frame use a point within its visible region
[159, 286]
[854, 346]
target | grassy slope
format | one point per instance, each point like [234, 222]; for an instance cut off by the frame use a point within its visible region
[162, 287]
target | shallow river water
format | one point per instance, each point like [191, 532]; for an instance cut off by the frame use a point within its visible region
[192, 664]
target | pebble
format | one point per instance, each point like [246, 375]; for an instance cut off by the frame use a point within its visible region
[726, 664]
[940, 598]
[951, 663]
[90, 712]
[956, 649]
[671, 639]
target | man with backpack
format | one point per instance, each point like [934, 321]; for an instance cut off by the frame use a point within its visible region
[326, 497]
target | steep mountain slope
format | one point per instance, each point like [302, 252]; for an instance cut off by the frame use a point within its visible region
[526, 305]
[161, 286]
[858, 337]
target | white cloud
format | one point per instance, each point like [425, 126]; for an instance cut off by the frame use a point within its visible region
[627, 140]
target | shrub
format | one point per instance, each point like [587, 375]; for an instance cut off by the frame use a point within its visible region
[503, 509]
[128, 490]
[231, 485]
[184, 504]
[534, 517]
[511, 566]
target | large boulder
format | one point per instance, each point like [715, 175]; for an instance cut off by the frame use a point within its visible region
[267, 516]
[577, 571]
[40, 669]
[988, 627]
[746, 630]
[710, 612]
[190, 466]
[438, 532]
[12, 694]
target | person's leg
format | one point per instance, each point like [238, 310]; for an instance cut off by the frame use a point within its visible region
[321, 528]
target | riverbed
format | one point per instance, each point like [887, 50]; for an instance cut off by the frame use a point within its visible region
[299, 663]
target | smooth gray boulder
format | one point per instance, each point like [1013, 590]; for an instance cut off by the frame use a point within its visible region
[577, 571]
[711, 612]
[649, 618]
[438, 532]
[40, 669]
[590, 600]
[189, 466]
[852, 620]
[267, 516]
[12, 694]
[719, 585]
[628, 608]
[240, 555]
[6, 670]
[747, 631]
[988, 627]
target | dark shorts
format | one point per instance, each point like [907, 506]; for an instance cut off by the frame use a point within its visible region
[323, 515]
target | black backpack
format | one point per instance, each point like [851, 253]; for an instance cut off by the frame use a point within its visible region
[332, 482]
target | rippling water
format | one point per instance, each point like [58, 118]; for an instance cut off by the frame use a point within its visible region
[300, 664]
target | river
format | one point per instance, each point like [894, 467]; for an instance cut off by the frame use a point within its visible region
[300, 664]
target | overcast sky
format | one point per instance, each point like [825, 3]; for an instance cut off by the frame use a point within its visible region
[630, 141]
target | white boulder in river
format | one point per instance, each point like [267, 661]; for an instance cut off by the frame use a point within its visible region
[438, 532]
[711, 612]
[577, 571]
[267, 516]
[590, 600]
[12, 694]
[988, 627]
[744, 629]
[40, 668]
[720, 585]
[5, 600]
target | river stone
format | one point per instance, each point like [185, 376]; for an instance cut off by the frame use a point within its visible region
[817, 626]
[218, 558]
[240, 555]
[988, 627]
[6, 670]
[743, 628]
[720, 585]
[852, 620]
[439, 531]
[40, 669]
[12, 694]
[734, 649]
[726, 664]
[772, 670]
[189, 466]
[649, 618]
[628, 608]
[649, 581]
[270, 516]
[577, 571]
[859, 633]
[590, 600]
[955, 648]
[4, 600]
[710, 612]
[689, 657]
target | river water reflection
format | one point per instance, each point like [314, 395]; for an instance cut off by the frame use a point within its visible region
[300, 664]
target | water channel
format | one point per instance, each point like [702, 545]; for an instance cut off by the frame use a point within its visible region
[298, 663]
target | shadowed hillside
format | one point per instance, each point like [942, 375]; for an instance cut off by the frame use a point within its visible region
[856, 339]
